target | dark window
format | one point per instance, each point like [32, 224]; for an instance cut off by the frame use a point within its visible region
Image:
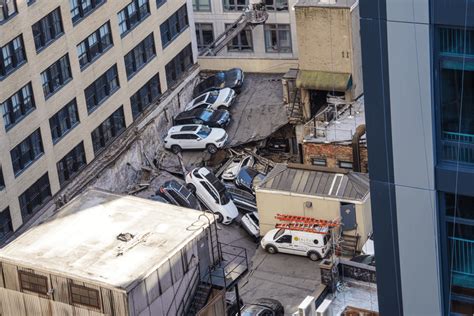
[102, 88]
[204, 34]
[94, 45]
[64, 120]
[145, 96]
[159, 3]
[140, 55]
[211, 192]
[33, 282]
[56, 76]
[5, 223]
[284, 239]
[345, 164]
[34, 197]
[132, 15]
[7, 10]
[277, 38]
[179, 65]
[202, 5]
[27, 152]
[106, 132]
[30, 2]
[174, 25]
[80, 8]
[47, 29]
[276, 5]
[70, 165]
[242, 42]
[2, 181]
[235, 5]
[85, 295]
[12, 56]
[17, 106]
[319, 162]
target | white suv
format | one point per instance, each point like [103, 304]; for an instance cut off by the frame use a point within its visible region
[217, 99]
[195, 136]
[213, 194]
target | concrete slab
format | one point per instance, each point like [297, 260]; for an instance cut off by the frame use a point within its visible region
[356, 294]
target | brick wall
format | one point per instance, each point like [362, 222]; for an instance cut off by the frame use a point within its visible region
[333, 153]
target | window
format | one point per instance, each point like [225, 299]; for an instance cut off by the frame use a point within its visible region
[64, 121]
[210, 191]
[202, 5]
[27, 152]
[30, 2]
[47, 29]
[34, 197]
[70, 164]
[159, 3]
[174, 25]
[18, 106]
[2, 181]
[276, 5]
[102, 88]
[56, 76]
[140, 55]
[7, 11]
[84, 295]
[235, 5]
[456, 79]
[345, 164]
[242, 42]
[319, 162]
[277, 38]
[284, 239]
[204, 34]
[132, 15]
[5, 223]
[33, 282]
[12, 56]
[106, 132]
[179, 65]
[94, 45]
[145, 96]
[81, 8]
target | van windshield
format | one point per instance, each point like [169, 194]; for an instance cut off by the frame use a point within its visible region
[278, 234]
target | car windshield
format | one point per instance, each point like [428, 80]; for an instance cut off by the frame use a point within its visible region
[278, 234]
[204, 132]
[206, 115]
[199, 99]
[212, 97]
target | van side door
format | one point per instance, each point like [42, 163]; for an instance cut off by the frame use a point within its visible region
[284, 243]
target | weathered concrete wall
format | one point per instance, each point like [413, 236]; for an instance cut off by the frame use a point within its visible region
[259, 65]
[357, 79]
[333, 153]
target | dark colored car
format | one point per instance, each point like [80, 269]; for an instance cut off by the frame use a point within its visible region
[159, 198]
[248, 178]
[232, 78]
[244, 200]
[178, 194]
[365, 259]
[263, 307]
[203, 116]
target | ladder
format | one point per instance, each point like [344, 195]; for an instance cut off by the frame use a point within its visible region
[253, 15]
[306, 224]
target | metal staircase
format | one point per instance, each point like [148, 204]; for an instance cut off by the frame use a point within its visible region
[200, 298]
[348, 245]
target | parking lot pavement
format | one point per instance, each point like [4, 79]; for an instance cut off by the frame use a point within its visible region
[286, 278]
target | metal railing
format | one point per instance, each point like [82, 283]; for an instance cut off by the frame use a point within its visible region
[235, 264]
[457, 147]
[462, 256]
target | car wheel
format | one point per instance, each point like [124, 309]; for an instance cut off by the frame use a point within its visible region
[220, 218]
[211, 148]
[271, 249]
[191, 187]
[175, 149]
[222, 107]
[314, 256]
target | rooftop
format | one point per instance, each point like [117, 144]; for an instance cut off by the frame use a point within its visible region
[351, 186]
[319, 3]
[80, 240]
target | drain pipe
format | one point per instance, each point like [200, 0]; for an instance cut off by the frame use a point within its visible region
[360, 131]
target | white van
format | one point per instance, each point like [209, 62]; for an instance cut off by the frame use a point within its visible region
[313, 245]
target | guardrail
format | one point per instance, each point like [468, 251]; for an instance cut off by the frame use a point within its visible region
[463, 255]
[457, 147]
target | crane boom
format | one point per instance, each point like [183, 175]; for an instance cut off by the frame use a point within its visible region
[253, 15]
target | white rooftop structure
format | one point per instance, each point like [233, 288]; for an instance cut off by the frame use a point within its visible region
[80, 240]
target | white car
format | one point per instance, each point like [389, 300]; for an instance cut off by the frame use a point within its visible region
[312, 245]
[250, 222]
[217, 99]
[236, 164]
[195, 136]
[213, 194]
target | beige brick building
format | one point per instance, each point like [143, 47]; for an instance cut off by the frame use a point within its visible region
[102, 62]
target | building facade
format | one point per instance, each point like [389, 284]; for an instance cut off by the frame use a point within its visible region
[418, 62]
[265, 48]
[73, 76]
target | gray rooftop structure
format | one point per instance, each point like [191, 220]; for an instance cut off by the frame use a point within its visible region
[306, 180]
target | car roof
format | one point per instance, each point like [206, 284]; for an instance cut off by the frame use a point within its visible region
[191, 113]
[184, 128]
